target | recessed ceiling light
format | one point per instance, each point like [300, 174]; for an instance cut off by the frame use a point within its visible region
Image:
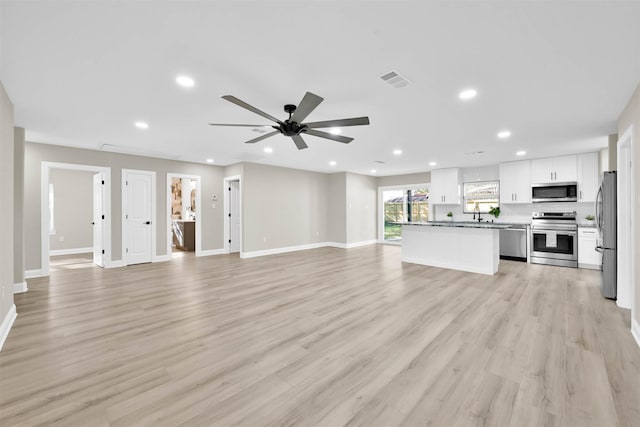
[142, 125]
[432, 163]
[504, 134]
[333, 163]
[185, 81]
[335, 131]
[209, 160]
[521, 153]
[268, 150]
[468, 94]
[373, 171]
[397, 152]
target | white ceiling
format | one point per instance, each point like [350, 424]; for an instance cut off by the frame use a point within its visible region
[557, 74]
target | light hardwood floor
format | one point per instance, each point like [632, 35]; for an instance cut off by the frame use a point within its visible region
[320, 337]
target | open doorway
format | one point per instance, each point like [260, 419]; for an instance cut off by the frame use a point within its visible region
[183, 215]
[75, 226]
[233, 214]
[398, 204]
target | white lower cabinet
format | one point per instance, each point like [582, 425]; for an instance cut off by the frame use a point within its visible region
[588, 257]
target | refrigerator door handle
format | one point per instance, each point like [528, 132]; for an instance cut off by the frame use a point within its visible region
[600, 249]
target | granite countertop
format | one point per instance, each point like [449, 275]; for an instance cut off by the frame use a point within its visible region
[587, 224]
[460, 224]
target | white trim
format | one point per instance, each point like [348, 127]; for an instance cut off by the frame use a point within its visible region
[7, 322]
[210, 252]
[225, 182]
[161, 258]
[199, 207]
[282, 250]
[337, 245]
[362, 243]
[45, 168]
[124, 201]
[31, 274]
[635, 331]
[58, 252]
[626, 299]
[19, 288]
[115, 264]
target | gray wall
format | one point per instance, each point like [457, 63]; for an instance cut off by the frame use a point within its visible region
[72, 209]
[631, 116]
[212, 224]
[282, 207]
[362, 193]
[408, 179]
[18, 203]
[613, 152]
[337, 208]
[6, 195]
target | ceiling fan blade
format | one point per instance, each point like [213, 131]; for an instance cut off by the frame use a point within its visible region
[251, 108]
[248, 126]
[261, 137]
[339, 138]
[309, 103]
[357, 121]
[297, 139]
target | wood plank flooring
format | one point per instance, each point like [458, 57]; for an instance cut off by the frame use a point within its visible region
[326, 337]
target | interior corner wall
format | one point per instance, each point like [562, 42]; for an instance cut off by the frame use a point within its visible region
[613, 152]
[211, 179]
[631, 116]
[18, 205]
[7, 212]
[337, 208]
[362, 194]
[282, 207]
[72, 209]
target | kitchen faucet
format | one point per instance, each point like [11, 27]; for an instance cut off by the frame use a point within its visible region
[476, 209]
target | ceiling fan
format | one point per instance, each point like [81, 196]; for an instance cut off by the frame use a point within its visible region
[293, 126]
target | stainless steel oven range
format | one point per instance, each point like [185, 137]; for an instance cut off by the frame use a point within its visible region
[554, 238]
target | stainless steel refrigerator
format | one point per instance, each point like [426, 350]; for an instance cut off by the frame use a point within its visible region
[606, 205]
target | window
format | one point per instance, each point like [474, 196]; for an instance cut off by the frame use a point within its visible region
[483, 195]
[403, 204]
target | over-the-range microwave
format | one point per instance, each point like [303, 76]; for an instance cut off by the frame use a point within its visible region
[556, 192]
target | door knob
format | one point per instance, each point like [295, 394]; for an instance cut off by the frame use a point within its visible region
[147, 222]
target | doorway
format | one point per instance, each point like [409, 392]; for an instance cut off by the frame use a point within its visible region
[625, 252]
[398, 204]
[233, 214]
[183, 228]
[95, 222]
[138, 216]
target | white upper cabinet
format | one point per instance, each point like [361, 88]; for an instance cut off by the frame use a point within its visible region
[588, 174]
[515, 182]
[445, 187]
[554, 169]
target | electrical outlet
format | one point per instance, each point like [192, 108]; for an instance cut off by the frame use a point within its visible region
[265, 239]
[61, 239]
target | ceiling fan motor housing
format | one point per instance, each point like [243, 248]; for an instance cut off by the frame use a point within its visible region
[288, 128]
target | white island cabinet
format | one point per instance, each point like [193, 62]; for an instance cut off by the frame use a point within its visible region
[469, 247]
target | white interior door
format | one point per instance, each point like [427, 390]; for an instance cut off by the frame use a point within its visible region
[138, 217]
[98, 219]
[234, 216]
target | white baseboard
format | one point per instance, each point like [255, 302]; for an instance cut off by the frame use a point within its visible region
[31, 274]
[210, 252]
[337, 245]
[161, 258]
[635, 331]
[275, 251]
[19, 288]
[7, 322]
[363, 243]
[76, 251]
[114, 264]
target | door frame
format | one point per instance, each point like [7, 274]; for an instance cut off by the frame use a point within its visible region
[627, 235]
[45, 169]
[125, 206]
[399, 187]
[227, 224]
[199, 207]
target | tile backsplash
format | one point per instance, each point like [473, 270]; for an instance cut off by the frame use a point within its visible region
[517, 213]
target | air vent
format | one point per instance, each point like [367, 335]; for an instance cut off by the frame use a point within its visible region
[395, 80]
[379, 161]
[259, 130]
[473, 153]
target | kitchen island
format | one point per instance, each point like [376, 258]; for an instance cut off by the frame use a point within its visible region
[466, 246]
